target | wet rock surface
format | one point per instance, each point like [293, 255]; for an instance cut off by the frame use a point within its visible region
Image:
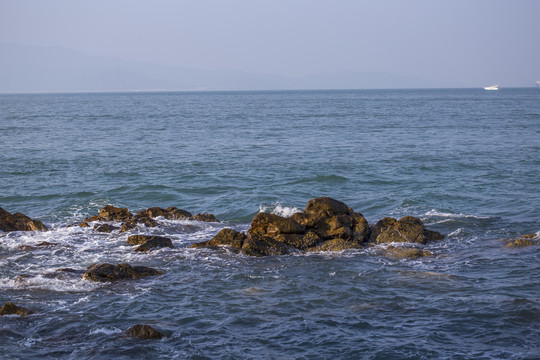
[12, 309]
[109, 272]
[19, 222]
[148, 242]
[524, 240]
[143, 332]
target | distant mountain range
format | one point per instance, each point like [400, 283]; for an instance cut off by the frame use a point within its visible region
[55, 69]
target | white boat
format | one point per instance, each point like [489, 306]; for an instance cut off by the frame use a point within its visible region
[492, 87]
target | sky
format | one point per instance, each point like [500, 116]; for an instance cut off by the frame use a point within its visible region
[470, 42]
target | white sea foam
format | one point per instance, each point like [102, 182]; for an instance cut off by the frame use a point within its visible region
[105, 330]
[437, 213]
[279, 209]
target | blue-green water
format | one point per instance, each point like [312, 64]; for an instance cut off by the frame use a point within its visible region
[465, 161]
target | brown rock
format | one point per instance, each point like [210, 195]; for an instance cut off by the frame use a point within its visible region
[360, 228]
[405, 252]
[112, 213]
[523, 240]
[322, 207]
[108, 272]
[406, 229]
[256, 245]
[154, 242]
[299, 241]
[12, 309]
[137, 219]
[37, 246]
[19, 222]
[228, 237]
[170, 213]
[272, 225]
[105, 228]
[336, 245]
[204, 217]
[433, 235]
[143, 332]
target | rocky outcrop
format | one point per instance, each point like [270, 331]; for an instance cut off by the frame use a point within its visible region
[19, 222]
[325, 224]
[108, 272]
[143, 332]
[148, 242]
[524, 240]
[12, 309]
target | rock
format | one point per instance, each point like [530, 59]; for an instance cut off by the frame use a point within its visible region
[170, 213]
[148, 242]
[112, 213]
[143, 332]
[12, 309]
[299, 241]
[326, 224]
[273, 225]
[336, 245]
[37, 246]
[407, 229]
[326, 207]
[257, 245]
[131, 224]
[405, 252]
[433, 235]
[19, 222]
[205, 217]
[108, 272]
[226, 237]
[524, 240]
[105, 228]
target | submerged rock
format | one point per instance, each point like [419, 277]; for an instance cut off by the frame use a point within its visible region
[12, 309]
[37, 246]
[105, 228]
[524, 240]
[143, 332]
[204, 217]
[19, 222]
[400, 252]
[123, 271]
[335, 245]
[148, 242]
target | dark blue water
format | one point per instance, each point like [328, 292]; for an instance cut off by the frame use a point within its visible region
[465, 161]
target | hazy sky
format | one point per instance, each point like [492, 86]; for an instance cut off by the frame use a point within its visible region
[473, 42]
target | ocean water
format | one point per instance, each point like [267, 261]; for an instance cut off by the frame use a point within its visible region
[466, 161]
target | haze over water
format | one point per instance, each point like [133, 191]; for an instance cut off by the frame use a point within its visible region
[465, 161]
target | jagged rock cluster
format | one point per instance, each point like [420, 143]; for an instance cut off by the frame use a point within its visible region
[326, 224]
[145, 217]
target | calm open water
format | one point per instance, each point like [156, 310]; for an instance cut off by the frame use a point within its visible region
[466, 161]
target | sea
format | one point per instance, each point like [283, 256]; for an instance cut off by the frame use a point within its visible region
[465, 161]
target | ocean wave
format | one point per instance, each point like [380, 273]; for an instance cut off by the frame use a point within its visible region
[278, 209]
[437, 213]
